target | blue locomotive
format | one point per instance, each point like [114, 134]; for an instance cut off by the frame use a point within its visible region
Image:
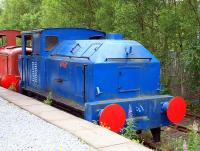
[103, 75]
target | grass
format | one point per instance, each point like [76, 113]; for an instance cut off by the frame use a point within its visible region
[129, 130]
[12, 87]
[189, 143]
[49, 100]
[193, 107]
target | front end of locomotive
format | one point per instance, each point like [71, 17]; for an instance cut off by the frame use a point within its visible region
[147, 112]
[127, 85]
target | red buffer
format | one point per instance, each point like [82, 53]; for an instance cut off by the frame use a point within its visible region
[176, 109]
[10, 81]
[113, 117]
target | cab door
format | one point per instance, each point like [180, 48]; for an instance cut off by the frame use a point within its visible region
[129, 79]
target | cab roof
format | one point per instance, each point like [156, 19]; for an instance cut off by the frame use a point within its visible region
[60, 29]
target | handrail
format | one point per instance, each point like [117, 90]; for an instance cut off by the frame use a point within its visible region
[107, 59]
[60, 55]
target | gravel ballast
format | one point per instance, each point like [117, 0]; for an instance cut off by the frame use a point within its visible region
[23, 131]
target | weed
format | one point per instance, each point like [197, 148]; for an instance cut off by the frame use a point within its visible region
[193, 138]
[128, 131]
[49, 100]
[95, 122]
[12, 87]
[190, 143]
[175, 144]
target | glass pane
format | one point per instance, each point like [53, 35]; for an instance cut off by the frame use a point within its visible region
[51, 41]
[3, 40]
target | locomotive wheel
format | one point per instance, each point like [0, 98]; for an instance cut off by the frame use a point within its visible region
[113, 117]
[10, 82]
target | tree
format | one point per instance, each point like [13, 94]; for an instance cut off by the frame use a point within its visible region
[68, 13]
[168, 28]
[20, 14]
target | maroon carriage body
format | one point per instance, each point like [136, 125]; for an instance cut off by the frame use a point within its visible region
[9, 52]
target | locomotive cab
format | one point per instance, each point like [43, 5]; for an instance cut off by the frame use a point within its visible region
[108, 78]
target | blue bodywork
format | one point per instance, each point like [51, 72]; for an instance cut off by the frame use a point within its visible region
[95, 69]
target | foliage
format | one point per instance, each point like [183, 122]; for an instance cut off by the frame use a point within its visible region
[129, 130]
[191, 58]
[190, 143]
[12, 87]
[194, 107]
[193, 141]
[105, 8]
[49, 100]
[20, 14]
[70, 13]
[170, 29]
[174, 145]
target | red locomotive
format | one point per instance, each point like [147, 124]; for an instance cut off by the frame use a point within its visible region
[9, 51]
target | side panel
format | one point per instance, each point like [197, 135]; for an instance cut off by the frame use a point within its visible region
[3, 65]
[13, 63]
[125, 80]
[66, 79]
[34, 72]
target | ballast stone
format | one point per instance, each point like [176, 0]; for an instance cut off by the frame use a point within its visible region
[22, 131]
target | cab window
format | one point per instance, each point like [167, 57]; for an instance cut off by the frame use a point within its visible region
[18, 41]
[50, 42]
[28, 47]
[3, 40]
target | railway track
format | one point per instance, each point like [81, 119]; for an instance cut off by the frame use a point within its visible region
[182, 128]
[191, 118]
[175, 131]
[194, 115]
